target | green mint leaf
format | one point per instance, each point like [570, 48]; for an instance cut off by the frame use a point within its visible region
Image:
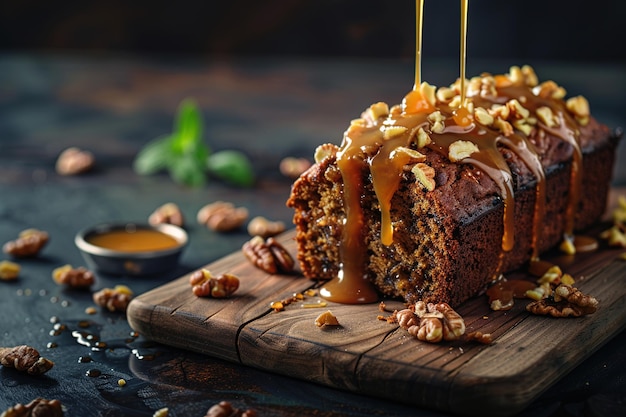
[154, 157]
[232, 167]
[188, 170]
[188, 126]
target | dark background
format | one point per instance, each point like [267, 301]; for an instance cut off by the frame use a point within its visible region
[525, 29]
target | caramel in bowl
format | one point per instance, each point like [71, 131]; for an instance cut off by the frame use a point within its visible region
[131, 248]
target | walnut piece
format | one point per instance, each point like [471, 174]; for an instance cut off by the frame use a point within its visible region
[226, 409]
[25, 359]
[566, 301]
[268, 255]
[425, 175]
[114, 299]
[9, 271]
[74, 161]
[460, 150]
[480, 337]
[29, 243]
[204, 284]
[325, 151]
[260, 226]
[222, 216]
[431, 322]
[39, 407]
[327, 318]
[79, 277]
[168, 213]
[292, 167]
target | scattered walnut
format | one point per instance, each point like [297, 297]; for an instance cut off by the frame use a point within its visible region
[461, 149]
[222, 216]
[268, 255]
[204, 284]
[376, 111]
[161, 412]
[114, 299]
[74, 161]
[292, 167]
[9, 271]
[79, 277]
[431, 322]
[260, 226]
[615, 237]
[480, 337]
[566, 301]
[25, 359]
[168, 213]
[225, 409]
[39, 407]
[327, 318]
[579, 107]
[29, 243]
[549, 89]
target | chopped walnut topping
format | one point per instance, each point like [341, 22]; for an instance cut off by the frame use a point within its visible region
[412, 153]
[204, 284]
[482, 116]
[222, 216]
[445, 94]
[437, 121]
[530, 77]
[461, 149]
[549, 89]
[546, 116]
[25, 359]
[327, 318]
[324, 151]
[390, 132]
[579, 107]
[39, 407]
[503, 126]
[423, 138]
[517, 111]
[29, 243]
[376, 111]
[425, 174]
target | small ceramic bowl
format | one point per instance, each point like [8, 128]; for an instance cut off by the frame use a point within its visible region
[122, 252]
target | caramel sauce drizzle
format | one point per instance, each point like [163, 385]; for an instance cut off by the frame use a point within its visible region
[365, 147]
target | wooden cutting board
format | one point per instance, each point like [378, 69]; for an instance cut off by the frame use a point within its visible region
[370, 356]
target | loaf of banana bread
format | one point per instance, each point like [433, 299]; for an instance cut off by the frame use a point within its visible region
[435, 198]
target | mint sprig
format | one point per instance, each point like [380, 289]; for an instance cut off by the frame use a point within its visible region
[186, 156]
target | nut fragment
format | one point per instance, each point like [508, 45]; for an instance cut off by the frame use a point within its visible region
[168, 213]
[39, 407]
[431, 322]
[437, 121]
[546, 116]
[461, 149]
[325, 151]
[225, 409]
[260, 226]
[74, 161]
[327, 318]
[566, 301]
[480, 337]
[9, 271]
[29, 243]
[390, 132]
[268, 255]
[114, 299]
[425, 174]
[376, 111]
[222, 216]
[79, 277]
[579, 107]
[292, 167]
[24, 359]
[204, 284]
[482, 116]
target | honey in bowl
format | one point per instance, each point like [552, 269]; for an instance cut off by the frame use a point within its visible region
[133, 239]
[132, 249]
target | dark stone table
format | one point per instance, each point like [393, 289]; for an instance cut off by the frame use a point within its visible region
[270, 109]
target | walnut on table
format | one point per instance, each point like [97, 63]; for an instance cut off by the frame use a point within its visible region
[39, 407]
[268, 255]
[168, 213]
[222, 216]
[260, 226]
[566, 301]
[432, 322]
[74, 161]
[226, 409]
[79, 278]
[9, 271]
[29, 243]
[25, 358]
[204, 284]
[114, 299]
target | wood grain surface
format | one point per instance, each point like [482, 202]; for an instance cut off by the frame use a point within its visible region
[372, 357]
